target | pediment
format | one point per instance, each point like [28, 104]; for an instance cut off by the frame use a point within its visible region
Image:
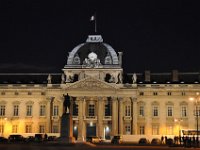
[91, 83]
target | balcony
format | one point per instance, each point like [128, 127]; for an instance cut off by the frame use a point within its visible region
[107, 118]
[75, 118]
[90, 117]
[127, 118]
[55, 118]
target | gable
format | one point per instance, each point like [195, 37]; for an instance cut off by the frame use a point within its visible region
[91, 83]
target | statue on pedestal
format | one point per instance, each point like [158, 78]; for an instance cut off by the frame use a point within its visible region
[66, 104]
[66, 133]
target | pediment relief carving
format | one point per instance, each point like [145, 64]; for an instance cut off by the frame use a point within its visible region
[91, 84]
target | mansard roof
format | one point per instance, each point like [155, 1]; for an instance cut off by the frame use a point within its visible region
[29, 78]
[155, 78]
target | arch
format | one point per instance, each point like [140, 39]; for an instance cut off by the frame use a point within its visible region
[169, 103]
[16, 102]
[141, 103]
[155, 103]
[183, 103]
[72, 54]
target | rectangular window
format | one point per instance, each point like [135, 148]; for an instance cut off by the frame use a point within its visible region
[108, 109]
[169, 111]
[142, 130]
[28, 128]
[128, 129]
[91, 110]
[75, 109]
[155, 130]
[42, 110]
[197, 111]
[155, 93]
[16, 110]
[155, 111]
[141, 111]
[127, 110]
[141, 93]
[169, 93]
[55, 110]
[1, 128]
[14, 128]
[41, 129]
[29, 110]
[183, 93]
[169, 130]
[55, 129]
[2, 110]
[183, 111]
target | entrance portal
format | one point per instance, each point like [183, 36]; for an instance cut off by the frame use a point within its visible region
[91, 130]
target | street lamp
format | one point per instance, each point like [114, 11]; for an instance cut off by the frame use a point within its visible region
[196, 113]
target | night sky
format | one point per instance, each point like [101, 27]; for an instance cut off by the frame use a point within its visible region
[36, 36]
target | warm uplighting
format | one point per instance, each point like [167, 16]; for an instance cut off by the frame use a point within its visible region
[107, 129]
[91, 124]
[75, 128]
[196, 113]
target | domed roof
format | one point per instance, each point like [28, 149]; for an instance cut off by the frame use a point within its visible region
[94, 47]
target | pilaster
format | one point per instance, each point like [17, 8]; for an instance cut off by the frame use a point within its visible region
[114, 116]
[121, 115]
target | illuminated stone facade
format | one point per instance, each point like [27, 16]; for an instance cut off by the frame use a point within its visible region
[104, 103]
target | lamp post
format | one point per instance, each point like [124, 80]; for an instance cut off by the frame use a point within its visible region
[196, 113]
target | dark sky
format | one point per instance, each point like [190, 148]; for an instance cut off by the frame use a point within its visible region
[36, 36]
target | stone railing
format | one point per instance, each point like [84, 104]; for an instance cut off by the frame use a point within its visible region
[107, 118]
[127, 118]
[90, 117]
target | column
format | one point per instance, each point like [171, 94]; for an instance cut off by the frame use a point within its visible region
[83, 116]
[80, 119]
[121, 113]
[50, 110]
[100, 116]
[134, 117]
[114, 116]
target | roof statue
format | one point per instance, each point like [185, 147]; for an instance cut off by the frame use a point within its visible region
[92, 61]
[49, 79]
[134, 78]
[62, 79]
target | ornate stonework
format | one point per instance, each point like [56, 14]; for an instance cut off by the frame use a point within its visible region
[90, 84]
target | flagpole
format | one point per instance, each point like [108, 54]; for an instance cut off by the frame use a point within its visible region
[95, 23]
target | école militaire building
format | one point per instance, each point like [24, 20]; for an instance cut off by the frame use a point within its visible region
[105, 101]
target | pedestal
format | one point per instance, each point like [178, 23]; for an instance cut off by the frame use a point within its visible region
[66, 133]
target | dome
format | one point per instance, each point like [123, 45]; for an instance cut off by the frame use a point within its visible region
[93, 49]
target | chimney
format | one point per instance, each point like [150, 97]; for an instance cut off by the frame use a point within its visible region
[174, 75]
[147, 76]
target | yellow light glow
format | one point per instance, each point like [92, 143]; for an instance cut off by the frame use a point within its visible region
[91, 124]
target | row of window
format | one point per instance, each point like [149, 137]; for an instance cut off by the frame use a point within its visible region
[29, 129]
[155, 111]
[91, 110]
[156, 93]
[29, 110]
[169, 109]
[17, 93]
[155, 129]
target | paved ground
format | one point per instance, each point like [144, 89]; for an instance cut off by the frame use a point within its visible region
[84, 146]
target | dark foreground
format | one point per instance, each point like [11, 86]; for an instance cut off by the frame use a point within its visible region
[82, 146]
